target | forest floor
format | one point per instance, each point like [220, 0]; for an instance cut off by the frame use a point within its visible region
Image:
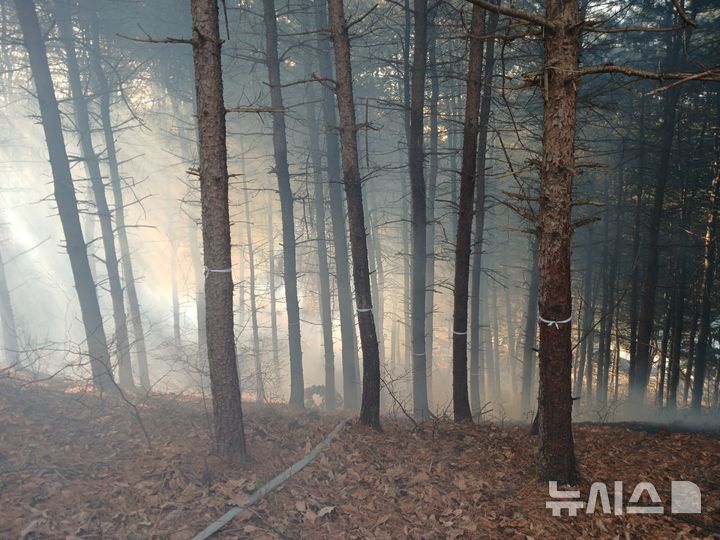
[73, 466]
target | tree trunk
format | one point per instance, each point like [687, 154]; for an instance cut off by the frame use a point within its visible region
[453, 174]
[370, 408]
[676, 345]
[224, 382]
[510, 339]
[65, 198]
[351, 384]
[200, 306]
[323, 266]
[496, 334]
[562, 49]
[271, 285]
[241, 288]
[530, 331]
[678, 307]
[587, 316]
[82, 119]
[379, 273]
[432, 194]
[7, 317]
[377, 288]
[374, 286]
[405, 217]
[259, 384]
[614, 258]
[297, 388]
[635, 274]
[418, 193]
[116, 183]
[691, 353]
[177, 342]
[406, 304]
[394, 347]
[662, 364]
[646, 316]
[488, 342]
[602, 358]
[461, 404]
[705, 293]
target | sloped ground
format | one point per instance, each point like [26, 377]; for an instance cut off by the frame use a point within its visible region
[73, 467]
[445, 481]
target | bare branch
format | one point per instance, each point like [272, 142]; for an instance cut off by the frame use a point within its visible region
[682, 14]
[241, 109]
[522, 212]
[158, 40]
[712, 74]
[588, 202]
[520, 196]
[531, 18]
[582, 222]
[676, 83]
[362, 17]
[591, 26]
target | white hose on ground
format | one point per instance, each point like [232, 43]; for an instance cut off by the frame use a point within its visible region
[256, 495]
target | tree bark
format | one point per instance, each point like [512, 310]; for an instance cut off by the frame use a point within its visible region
[530, 331]
[705, 293]
[64, 193]
[461, 403]
[379, 273]
[481, 177]
[297, 385]
[562, 49]
[431, 196]
[405, 217]
[92, 164]
[351, 384]
[224, 382]
[370, 408]
[418, 194]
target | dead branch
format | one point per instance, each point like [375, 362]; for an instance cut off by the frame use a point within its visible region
[591, 26]
[587, 202]
[261, 109]
[681, 12]
[531, 18]
[522, 212]
[583, 222]
[712, 74]
[520, 196]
